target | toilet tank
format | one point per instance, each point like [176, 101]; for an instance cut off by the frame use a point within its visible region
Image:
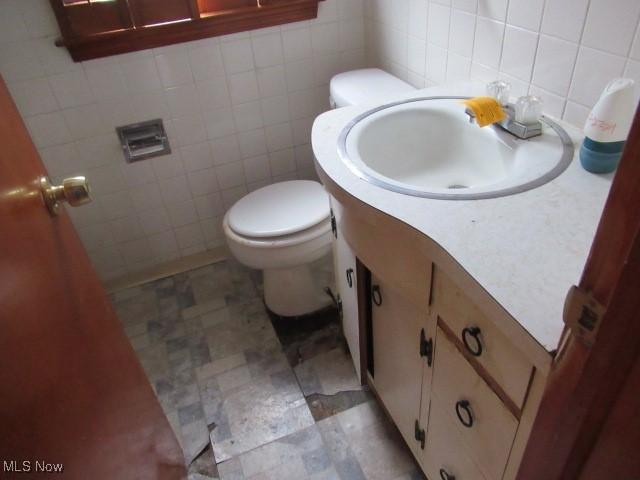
[369, 86]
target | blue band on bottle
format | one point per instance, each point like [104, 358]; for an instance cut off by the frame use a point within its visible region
[598, 162]
[604, 147]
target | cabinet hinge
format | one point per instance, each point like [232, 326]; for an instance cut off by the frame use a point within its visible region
[334, 226]
[583, 315]
[420, 434]
[426, 347]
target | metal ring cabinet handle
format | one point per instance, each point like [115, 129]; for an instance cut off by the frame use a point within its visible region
[350, 277]
[445, 476]
[471, 340]
[463, 411]
[376, 296]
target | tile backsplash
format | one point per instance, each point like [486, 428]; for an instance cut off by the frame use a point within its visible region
[238, 109]
[564, 51]
[238, 112]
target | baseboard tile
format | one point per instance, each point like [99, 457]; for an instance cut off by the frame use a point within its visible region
[167, 269]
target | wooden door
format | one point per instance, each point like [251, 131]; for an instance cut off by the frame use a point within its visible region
[615, 454]
[593, 386]
[73, 392]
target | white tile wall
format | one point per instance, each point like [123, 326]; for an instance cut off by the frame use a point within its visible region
[238, 111]
[564, 51]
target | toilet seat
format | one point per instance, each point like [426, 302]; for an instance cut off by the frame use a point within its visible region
[287, 251]
[280, 226]
[279, 210]
[308, 234]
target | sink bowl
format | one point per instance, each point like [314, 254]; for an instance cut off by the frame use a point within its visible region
[426, 147]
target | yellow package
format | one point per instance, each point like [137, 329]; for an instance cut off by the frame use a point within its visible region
[486, 109]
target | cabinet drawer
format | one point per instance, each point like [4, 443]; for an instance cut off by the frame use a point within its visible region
[444, 451]
[482, 340]
[466, 398]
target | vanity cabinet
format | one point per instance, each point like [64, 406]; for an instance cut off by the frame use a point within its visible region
[448, 378]
[457, 375]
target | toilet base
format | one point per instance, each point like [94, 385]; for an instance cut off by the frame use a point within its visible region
[300, 290]
[311, 322]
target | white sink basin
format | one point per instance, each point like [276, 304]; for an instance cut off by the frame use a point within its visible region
[427, 147]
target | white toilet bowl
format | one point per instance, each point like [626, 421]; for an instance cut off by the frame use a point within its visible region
[284, 229]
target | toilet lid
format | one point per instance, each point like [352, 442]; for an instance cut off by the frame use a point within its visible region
[280, 209]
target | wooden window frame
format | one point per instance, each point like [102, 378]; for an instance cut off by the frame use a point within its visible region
[201, 25]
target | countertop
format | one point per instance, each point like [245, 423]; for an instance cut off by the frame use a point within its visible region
[526, 250]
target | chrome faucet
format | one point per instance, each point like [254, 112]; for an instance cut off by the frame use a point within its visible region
[522, 118]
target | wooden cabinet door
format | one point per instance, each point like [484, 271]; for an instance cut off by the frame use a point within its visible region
[397, 362]
[484, 424]
[345, 272]
[444, 456]
[73, 390]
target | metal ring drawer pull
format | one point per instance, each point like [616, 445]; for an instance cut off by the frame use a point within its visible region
[465, 418]
[474, 333]
[445, 476]
[376, 296]
[350, 277]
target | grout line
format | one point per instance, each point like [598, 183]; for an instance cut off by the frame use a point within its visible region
[447, 49]
[575, 63]
[473, 40]
[504, 36]
[628, 60]
[166, 269]
[636, 32]
[535, 53]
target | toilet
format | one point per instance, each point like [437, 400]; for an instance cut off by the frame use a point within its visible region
[365, 87]
[284, 229]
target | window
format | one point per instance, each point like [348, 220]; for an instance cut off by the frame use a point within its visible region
[97, 28]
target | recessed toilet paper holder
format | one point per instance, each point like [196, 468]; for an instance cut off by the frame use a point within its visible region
[143, 140]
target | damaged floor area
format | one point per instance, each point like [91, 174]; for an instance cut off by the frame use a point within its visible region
[252, 399]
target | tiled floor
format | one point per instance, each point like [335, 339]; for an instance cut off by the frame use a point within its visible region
[247, 403]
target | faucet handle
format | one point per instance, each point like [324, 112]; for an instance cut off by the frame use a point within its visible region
[500, 90]
[528, 109]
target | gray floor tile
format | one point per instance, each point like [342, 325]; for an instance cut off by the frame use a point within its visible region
[205, 465]
[328, 373]
[259, 413]
[375, 443]
[316, 461]
[323, 406]
[190, 413]
[225, 382]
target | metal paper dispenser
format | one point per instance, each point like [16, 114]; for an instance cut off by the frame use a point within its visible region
[143, 140]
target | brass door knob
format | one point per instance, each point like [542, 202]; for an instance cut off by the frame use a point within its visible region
[74, 190]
